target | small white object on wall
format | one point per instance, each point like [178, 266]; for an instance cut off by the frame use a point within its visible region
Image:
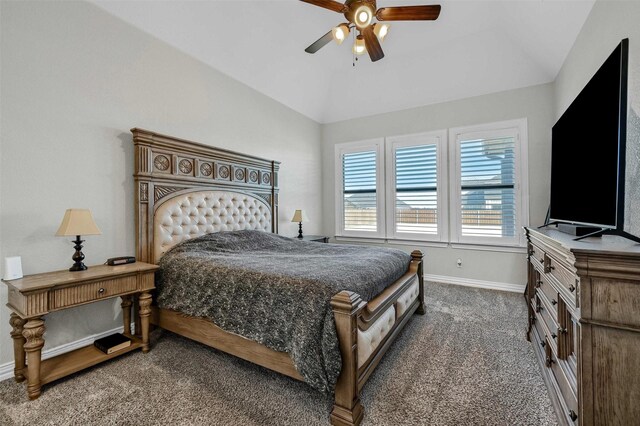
[12, 268]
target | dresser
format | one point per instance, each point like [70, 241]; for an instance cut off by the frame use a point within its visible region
[584, 324]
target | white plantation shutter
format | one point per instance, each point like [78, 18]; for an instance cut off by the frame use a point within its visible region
[487, 198]
[416, 166]
[416, 203]
[359, 191]
[488, 183]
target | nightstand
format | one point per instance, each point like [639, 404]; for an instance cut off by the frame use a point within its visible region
[32, 297]
[316, 238]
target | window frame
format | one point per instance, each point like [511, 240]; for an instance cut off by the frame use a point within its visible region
[376, 145]
[449, 181]
[517, 129]
[438, 138]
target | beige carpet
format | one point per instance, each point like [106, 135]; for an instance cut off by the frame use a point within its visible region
[464, 363]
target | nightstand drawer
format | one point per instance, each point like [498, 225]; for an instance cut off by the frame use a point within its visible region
[75, 295]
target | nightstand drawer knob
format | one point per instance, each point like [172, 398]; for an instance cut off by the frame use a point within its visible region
[101, 290]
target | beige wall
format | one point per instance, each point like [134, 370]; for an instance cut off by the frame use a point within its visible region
[534, 103]
[74, 81]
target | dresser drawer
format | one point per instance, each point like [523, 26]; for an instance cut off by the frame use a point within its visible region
[563, 276]
[75, 295]
[554, 273]
[547, 322]
[536, 257]
[549, 293]
[564, 389]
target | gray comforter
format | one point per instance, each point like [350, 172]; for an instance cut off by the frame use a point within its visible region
[275, 290]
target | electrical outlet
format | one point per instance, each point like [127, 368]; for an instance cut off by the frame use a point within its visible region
[459, 263]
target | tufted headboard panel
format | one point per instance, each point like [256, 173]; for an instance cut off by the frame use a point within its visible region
[186, 189]
[197, 213]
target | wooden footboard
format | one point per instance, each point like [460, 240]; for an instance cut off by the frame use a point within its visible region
[352, 316]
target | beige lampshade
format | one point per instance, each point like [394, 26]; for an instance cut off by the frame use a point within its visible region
[78, 222]
[300, 216]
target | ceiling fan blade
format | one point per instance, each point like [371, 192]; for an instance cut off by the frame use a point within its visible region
[372, 44]
[409, 13]
[319, 43]
[329, 4]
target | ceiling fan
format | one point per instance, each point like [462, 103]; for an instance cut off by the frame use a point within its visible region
[360, 14]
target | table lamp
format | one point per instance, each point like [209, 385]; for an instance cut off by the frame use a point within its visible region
[78, 222]
[299, 216]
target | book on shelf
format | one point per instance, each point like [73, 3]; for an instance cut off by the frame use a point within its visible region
[112, 343]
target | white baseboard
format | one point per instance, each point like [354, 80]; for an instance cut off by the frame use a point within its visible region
[6, 370]
[469, 282]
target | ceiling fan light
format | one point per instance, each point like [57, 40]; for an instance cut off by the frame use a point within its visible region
[340, 33]
[359, 47]
[381, 30]
[363, 16]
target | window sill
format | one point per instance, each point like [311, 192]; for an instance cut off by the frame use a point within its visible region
[489, 247]
[461, 246]
[378, 240]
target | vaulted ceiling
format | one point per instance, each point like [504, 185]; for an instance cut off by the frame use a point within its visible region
[474, 48]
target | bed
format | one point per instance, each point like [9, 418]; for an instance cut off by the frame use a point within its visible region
[188, 192]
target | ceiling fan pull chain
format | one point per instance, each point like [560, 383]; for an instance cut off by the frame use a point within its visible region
[353, 54]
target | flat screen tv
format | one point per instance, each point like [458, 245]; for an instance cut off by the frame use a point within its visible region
[588, 151]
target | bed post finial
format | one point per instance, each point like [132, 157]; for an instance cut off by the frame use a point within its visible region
[417, 256]
[347, 409]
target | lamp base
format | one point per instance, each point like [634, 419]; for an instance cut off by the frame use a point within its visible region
[78, 266]
[300, 230]
[78, 256]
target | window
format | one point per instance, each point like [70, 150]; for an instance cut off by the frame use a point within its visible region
[404, 187]
[416, 170]
[360, 180]
[487, 190]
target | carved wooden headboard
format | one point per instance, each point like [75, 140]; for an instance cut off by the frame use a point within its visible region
[186, 189]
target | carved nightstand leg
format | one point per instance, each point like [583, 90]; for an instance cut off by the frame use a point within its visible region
[17, 325]
[32, 332]
[126, 314]
[145, 313]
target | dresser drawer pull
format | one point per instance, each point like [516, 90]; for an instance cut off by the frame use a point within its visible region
[543, 343]
[572, 415]
[538, 283]
[551, 267]
[561, 330]
[532, 318]
[554, 302]
[554, 335]
[539, 308]
[572, 288]
[550, 361]
[542, 260]
[101, 290]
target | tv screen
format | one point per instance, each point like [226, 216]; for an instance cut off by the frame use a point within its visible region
[587, 153]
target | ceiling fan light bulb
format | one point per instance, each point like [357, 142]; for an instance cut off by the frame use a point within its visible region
[359, 47]
[340, 33]
[381, 30]
[363, 16]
